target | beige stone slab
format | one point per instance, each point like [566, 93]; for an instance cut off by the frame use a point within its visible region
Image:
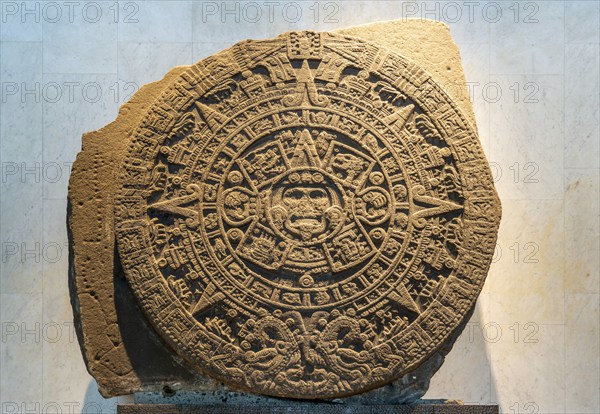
[91, 204]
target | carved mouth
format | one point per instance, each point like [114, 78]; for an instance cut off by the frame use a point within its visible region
[312, 223]
[305, 222]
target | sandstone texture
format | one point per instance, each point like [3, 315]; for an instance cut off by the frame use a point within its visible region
[310, 216]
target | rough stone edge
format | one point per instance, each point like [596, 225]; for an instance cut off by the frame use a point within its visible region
[95, 319]
[430, 38]
[109, 152]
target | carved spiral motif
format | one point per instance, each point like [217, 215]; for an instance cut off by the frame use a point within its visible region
[307, 216]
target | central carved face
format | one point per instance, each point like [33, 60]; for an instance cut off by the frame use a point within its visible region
[306, 207]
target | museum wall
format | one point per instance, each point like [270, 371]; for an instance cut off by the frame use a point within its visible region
[531, 346]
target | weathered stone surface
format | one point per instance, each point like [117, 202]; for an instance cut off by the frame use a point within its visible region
[310, 335]
[93, 264]
[427, 43]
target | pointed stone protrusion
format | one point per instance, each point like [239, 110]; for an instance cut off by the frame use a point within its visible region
[213, 118]
[209, 297]
[305, 153]
[401, 296]
[184, 206]
[399, 118]
[304, 74]
[425, 206]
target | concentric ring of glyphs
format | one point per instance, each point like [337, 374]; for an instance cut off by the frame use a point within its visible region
[307, 216]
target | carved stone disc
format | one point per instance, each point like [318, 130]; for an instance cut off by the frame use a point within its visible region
[309, 216]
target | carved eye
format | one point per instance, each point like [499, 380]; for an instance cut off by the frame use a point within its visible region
[317, 194]
[295, 194]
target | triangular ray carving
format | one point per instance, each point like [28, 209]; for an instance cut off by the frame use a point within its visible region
[424, 206]
[399, 118]
[209, 297]
[177, 206]
[401, 296]
[305, 153]
[214, 119]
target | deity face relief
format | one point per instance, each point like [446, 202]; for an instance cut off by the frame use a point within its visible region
[306, 208]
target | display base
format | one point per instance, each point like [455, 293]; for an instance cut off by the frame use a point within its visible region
[308, 408]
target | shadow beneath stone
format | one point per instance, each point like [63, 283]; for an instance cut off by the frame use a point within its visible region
[150, 357]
